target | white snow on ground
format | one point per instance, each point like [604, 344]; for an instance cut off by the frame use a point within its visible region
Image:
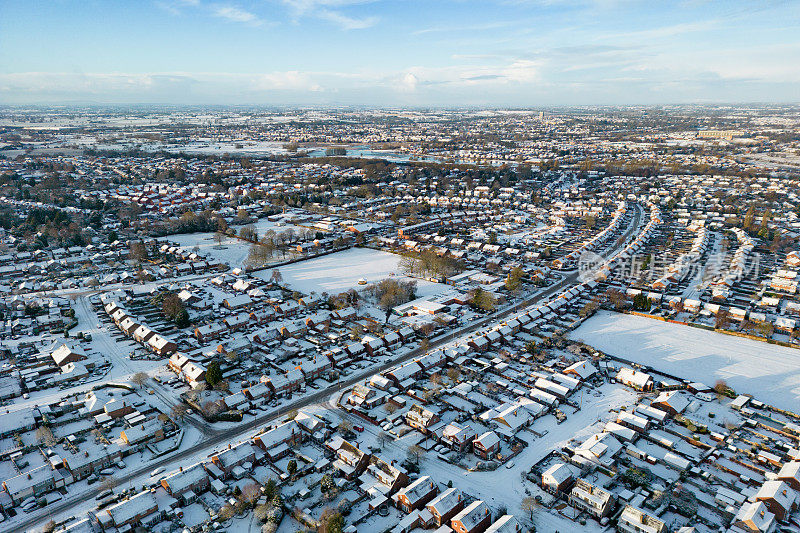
[232, 251]
[341, 271]
[771, 373]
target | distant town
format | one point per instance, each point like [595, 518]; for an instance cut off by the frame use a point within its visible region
[400, 320]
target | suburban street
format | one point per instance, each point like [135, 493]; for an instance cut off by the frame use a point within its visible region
[215, 436]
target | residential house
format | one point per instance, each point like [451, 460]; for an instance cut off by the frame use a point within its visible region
[193, 479]
[350, 460]
[634, 378]
[635, 520]
[417, 494]
[131, 511]
[779, 497]
[591, 499]
[790, 473]
[277, 442]
[486, 445]
[505, 524]
[557, 478]
[420, 418]
[445, 506]
[474, 518]
[753, 517]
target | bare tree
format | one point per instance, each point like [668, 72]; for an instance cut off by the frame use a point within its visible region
[258, 255]
[249, 233]
[139, 378]
[45, 436]
[617, 298]
[108, 484]
[179, 411]
[250, 494]
[219, 236]
[226, 512]
[384, 438]
[529, 503]
[415, 453]
[454, 374]
[211, 409]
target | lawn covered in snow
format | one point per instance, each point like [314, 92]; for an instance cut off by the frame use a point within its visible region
[341, 271]
[232, 251]
[770, 373]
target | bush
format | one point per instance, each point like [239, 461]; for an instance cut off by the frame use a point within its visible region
[230, 416]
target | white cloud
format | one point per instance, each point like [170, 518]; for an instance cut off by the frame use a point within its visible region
[408, 83]
[235, 14]
[522, 71]
[345, 22]
[330, 10]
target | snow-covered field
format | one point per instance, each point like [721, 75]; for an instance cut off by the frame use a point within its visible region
[341, 271]
[770, 373]
[232, 250]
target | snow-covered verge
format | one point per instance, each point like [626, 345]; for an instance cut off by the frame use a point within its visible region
[769, 372]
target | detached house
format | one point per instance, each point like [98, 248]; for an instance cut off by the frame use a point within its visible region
[487, 445]
[633, 378]
[557, 478]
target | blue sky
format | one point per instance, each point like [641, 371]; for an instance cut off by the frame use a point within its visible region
[399, 53]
